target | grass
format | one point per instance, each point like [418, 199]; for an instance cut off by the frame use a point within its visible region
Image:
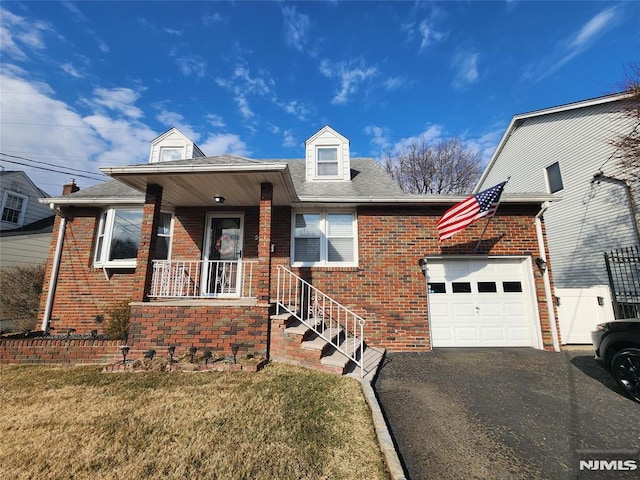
[280, 423]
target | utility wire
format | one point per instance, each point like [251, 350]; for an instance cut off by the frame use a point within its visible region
[53, 170]
[49, 164]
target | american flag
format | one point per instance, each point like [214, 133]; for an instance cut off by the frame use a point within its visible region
[463, 214]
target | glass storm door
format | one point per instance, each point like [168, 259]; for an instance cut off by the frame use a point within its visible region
[222, 256]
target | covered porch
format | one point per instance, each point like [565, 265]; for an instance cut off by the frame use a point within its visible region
[221, 243]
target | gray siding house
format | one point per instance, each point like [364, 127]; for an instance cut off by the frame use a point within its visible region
[25, 223]
[567, 151]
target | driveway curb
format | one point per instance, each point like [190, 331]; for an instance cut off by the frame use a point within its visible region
[382, 432]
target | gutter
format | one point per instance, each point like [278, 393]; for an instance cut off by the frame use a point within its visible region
[55, 269]
[545, 279]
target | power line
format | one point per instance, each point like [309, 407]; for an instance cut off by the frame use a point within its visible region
[49, 164]
[53, 170]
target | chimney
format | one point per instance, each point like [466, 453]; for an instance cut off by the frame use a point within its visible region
[70, 187]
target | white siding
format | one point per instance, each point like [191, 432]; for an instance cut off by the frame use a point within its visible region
[20, 249]
[591, 218]
[19, 183]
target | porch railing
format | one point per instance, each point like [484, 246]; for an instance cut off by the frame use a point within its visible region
[333, 322]
[200, 278]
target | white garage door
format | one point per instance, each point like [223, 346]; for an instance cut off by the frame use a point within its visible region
[479, 303]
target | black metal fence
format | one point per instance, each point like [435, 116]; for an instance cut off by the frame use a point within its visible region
[623, 268]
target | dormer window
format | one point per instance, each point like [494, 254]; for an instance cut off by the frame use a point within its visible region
[171, 153]
[327, 157]
[327, 162]
[173, 145]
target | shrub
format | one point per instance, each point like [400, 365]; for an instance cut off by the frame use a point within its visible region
[117, 327]
[20, 289]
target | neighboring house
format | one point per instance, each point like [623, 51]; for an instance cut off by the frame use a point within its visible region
[26, 224]
[567, 151]
[208, 249]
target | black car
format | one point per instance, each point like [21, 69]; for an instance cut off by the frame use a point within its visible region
[617, 346]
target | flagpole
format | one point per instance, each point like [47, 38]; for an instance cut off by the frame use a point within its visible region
[475, 250]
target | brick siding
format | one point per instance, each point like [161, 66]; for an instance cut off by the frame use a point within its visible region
[45, 350]
[387, 288]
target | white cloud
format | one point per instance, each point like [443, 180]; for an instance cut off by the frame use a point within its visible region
[288, 139]
[191, 65]
[394, 83]
[215, 120]
[224, 143]
[424, 31]
[351, 76]
[120, 100]
[242, 84]
[379, 136]
[243, 107]
[593, 27]
[486, 144]
[466, 67]
[431, 133]
[576, 44]
[212, 19]
[70, 69]
[296, 26]
[295, 108]
[177, 120]
[18, 34]
[173, 31]
[428, 36]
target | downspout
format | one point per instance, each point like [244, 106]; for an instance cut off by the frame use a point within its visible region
[545, 278]
[53, 280]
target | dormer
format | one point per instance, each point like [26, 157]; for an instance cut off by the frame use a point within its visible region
[327, 157]
[173, 145]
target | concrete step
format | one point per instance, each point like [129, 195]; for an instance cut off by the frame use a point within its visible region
[316, 342]
[340, 358]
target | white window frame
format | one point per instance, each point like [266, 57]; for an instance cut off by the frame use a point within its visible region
[548, 177]
[23, 212]
[182, 150]
[104, 237]
[324, 239]
[317, 174]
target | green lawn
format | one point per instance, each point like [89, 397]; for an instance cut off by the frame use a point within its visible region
[280, 423]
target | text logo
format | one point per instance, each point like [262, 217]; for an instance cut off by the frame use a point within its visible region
[602, 465]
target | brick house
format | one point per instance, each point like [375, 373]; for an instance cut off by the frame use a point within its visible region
[308, 260]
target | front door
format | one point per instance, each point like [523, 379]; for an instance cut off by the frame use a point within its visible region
[222, 256]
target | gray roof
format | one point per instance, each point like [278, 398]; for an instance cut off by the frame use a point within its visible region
[369, 182]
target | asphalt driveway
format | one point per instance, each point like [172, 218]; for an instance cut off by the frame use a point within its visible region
[509, 413]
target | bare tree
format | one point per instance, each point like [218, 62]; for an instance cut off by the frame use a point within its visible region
[628, 144]
[442, 166]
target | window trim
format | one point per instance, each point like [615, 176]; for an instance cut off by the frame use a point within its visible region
[324, 238]
[104, 235]
[317, 162]
[166, 148]
[23, 211]
[548, 178]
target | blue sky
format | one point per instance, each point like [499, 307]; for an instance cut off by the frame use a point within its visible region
[90, 84]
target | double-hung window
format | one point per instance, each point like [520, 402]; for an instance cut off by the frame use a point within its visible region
[14, 207]
[118, 237]
[327, 162]
[324, 238]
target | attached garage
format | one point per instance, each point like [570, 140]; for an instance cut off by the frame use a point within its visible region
[488, 302]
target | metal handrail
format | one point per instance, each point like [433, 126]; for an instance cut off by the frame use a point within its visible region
[183, 278]
[322, 314]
